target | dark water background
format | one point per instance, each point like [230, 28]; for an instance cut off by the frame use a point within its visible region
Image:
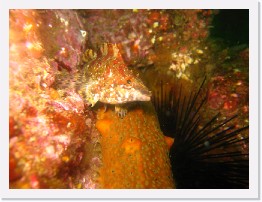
[232, 26]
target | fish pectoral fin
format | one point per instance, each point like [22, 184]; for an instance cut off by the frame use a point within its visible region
[105, 107]
[120, 111]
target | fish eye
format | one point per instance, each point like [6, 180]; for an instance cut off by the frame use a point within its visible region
[128, 81]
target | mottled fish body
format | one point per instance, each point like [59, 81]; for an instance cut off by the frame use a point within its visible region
[109, 80]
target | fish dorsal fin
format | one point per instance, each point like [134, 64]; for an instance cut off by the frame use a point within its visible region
[89, 55]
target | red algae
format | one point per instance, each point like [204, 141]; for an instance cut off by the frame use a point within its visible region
[139, 32]
[51, 132]
[134, 150]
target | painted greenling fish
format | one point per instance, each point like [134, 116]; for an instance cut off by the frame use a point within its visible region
[108, 80]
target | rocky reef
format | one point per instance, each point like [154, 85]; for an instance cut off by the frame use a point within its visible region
[57, 139]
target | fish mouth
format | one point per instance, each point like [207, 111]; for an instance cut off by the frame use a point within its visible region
[142, 93]
[144, 98]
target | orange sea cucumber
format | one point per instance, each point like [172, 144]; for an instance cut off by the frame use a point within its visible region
[134, 151]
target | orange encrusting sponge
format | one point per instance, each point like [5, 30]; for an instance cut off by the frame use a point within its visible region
[134, 150]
